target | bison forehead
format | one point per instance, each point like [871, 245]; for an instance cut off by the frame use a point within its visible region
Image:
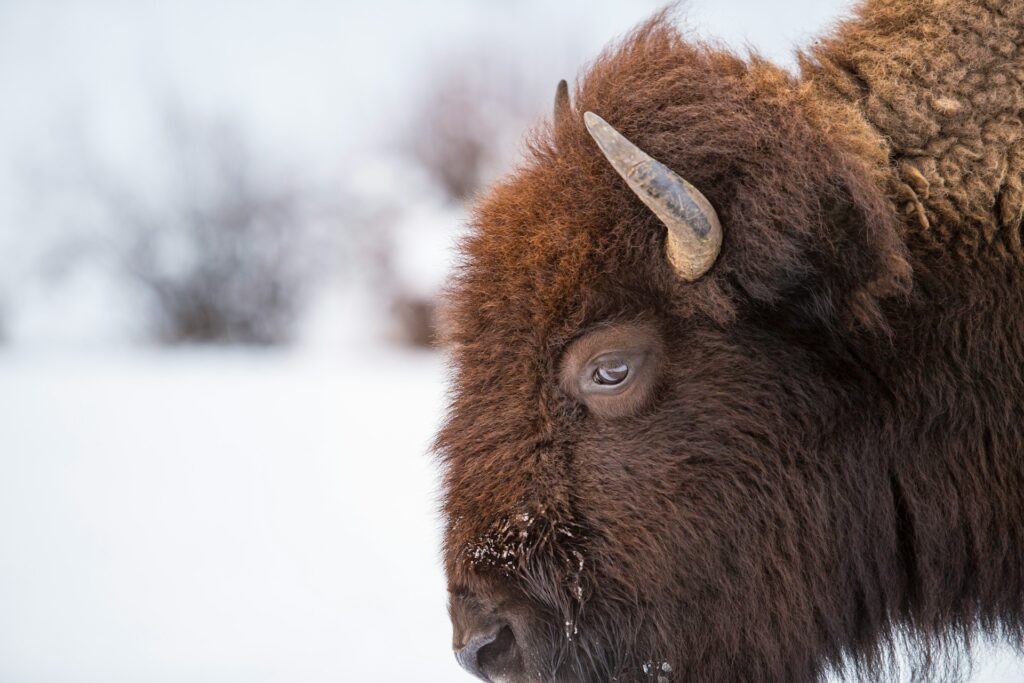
[564, 240]
[542, 255]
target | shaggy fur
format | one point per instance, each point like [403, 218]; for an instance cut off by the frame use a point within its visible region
[832, 461]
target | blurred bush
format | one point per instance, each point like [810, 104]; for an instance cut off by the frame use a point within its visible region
[472, 109]
[198, 234]
[227, 257]
[472, 112]
[223, 246]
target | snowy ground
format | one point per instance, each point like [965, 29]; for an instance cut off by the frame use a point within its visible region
[220, 517]
[225, 516]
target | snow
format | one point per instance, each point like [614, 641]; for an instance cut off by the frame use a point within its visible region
[220, 516]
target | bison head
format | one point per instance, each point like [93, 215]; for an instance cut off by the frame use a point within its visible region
[656, 469]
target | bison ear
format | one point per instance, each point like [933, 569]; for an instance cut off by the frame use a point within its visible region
[828, 258]
[858, 259]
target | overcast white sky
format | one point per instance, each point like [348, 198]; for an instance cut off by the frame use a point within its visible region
[310, 73]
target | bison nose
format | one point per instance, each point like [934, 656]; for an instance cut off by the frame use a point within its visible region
[486, 653]
[483, 642]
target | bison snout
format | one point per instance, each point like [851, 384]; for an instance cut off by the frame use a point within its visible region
[483, 642]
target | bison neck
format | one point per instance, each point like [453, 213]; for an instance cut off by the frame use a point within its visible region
[929, 96]
[952, 427]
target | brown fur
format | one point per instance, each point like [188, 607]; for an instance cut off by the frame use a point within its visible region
[832, 460]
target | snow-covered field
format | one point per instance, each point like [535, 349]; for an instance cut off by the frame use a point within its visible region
[212, 516]
[226, 516]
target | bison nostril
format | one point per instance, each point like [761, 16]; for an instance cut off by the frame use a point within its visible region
[468, 658]
[496, 652]
[487, 653]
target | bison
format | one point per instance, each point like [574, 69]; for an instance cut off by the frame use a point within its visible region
[738, 364]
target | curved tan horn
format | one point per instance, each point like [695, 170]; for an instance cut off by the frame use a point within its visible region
[694, 232]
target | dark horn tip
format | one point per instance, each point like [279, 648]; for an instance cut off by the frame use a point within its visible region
[561, 98]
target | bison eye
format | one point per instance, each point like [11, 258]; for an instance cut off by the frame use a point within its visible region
[612, 372]
[613, 369]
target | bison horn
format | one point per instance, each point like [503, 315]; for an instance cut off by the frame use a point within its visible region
[561, 98]
[694, 232]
